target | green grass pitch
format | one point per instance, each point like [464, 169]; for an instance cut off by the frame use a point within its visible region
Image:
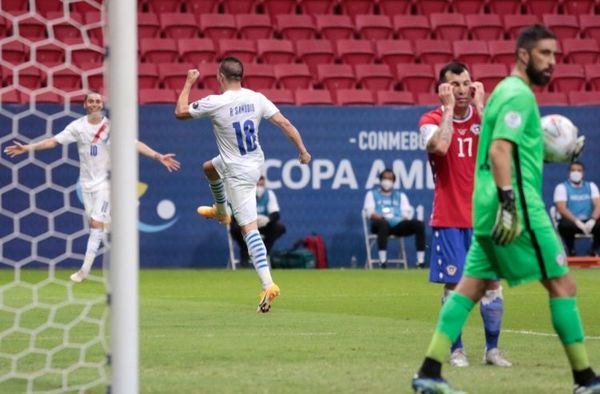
[335, 331]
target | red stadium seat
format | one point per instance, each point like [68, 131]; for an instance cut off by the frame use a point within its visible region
[148, 25]
[95, 79]
[279, 7]
[578, 7]
[502, 51]
[415, 78]
[468, 6]
[504, 7]
[276, 51]
[43, 7]
[296, 27]
[164, 6]
[94, 6]
[208, 73]
[427, 7]
[355, 51]
[49, 54]
[582, 51]
[172, 75]
[201, 7]
[564, 26]
[259, 76]
[489, 74]
[66, 79]
[157, 96]
[217, 26]
[254, 26]
[374, 27]
[590, 26]
[584, 98]
[393, 52]
[279, 96]
[14, 52]
[357, 7]
[546, 98]
[316, 7]
[334, 27]
[313, 52]
[354, 97]
[147, 76]
[32, 28]
[470, 52]
[541, 7]
[448, 26]
[67, 30]
[197, 94]
[178, 25]
[313, 97]
[592, 73]
[158, 50]
[238, 6]
[4, 26]
[15, 7]
[293, 76]
[428, 99]
[394, 7]
[568, 78]
[13, 96]
[245, 50]
[514, 23]
[49, 98]
[434, 51]
[390, 97]
[485, 27]
[412, 27]
[336, 76]
[86, 55]
[96, 32]
[30, 77]
[374, 77]
[196, 50]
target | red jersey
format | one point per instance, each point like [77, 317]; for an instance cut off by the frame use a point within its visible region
[453, 173]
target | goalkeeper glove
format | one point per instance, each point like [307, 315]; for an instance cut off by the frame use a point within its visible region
[579, 144]
[507, 225]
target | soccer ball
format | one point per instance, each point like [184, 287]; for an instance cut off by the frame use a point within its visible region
[560, 138]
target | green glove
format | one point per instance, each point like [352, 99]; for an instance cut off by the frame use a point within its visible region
[507, 225]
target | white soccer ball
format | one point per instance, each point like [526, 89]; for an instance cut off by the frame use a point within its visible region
[560, 138]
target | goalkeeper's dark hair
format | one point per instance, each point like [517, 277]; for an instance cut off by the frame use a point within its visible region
[91, 93]
[576, 162]
[232, 68]
[455, 68]
[387, 170]
[530, 35]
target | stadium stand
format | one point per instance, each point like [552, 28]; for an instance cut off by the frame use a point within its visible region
[354, 52]
[275, 51]
[390, 97]
[254, 26]
[293, 76]
[354, 97]
[484, 27]
[313, 97]
[394, 52]
[374, 77]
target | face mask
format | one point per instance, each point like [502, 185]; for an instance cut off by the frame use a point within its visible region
[387, 184]
[575, 176]
[260, 190]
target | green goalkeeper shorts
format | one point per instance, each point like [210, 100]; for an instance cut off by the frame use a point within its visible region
[533, 255]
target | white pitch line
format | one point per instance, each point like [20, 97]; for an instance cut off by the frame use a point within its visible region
[542, 334]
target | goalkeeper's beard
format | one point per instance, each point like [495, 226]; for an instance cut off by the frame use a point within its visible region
[536, 76]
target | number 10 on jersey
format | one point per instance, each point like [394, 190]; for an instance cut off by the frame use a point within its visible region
[246, 136]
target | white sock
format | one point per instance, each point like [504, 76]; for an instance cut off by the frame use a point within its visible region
[93, 244]
[383, 256]
[420, 256]
[217, 188]
[258, 253]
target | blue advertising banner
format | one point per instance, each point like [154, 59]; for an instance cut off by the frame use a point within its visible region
[349, 146]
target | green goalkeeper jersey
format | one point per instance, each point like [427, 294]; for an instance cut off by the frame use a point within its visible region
[511, 114]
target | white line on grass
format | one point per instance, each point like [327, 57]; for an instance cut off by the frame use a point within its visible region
[541, 334]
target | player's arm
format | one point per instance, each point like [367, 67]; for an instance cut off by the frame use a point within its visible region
[182, 109]
[168, 160]
[18, 148]
[292, 133]
[441, 139]
[369, 207]
[506, 227]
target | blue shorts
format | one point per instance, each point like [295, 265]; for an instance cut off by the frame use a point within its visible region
[449, 247]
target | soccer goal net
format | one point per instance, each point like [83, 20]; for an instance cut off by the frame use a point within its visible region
[53, 333]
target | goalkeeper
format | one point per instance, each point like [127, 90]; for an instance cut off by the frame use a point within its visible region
[513, 235]
[269, 226]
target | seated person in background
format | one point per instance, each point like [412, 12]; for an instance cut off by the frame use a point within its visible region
[391, 214]
[268, 222]
[578, 204]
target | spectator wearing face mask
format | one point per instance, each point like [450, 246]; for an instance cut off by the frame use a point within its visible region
[390, 213]
[578, 204]
[268, 222]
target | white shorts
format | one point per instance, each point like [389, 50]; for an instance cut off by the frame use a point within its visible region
[97, 204]
[240, 190]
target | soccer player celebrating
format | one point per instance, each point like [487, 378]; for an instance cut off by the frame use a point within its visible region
[513, 236]
[451, 135]
[92, 135]
[235, 115]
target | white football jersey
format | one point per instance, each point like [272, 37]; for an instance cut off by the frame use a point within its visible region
[93, 142]
[235, 116]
